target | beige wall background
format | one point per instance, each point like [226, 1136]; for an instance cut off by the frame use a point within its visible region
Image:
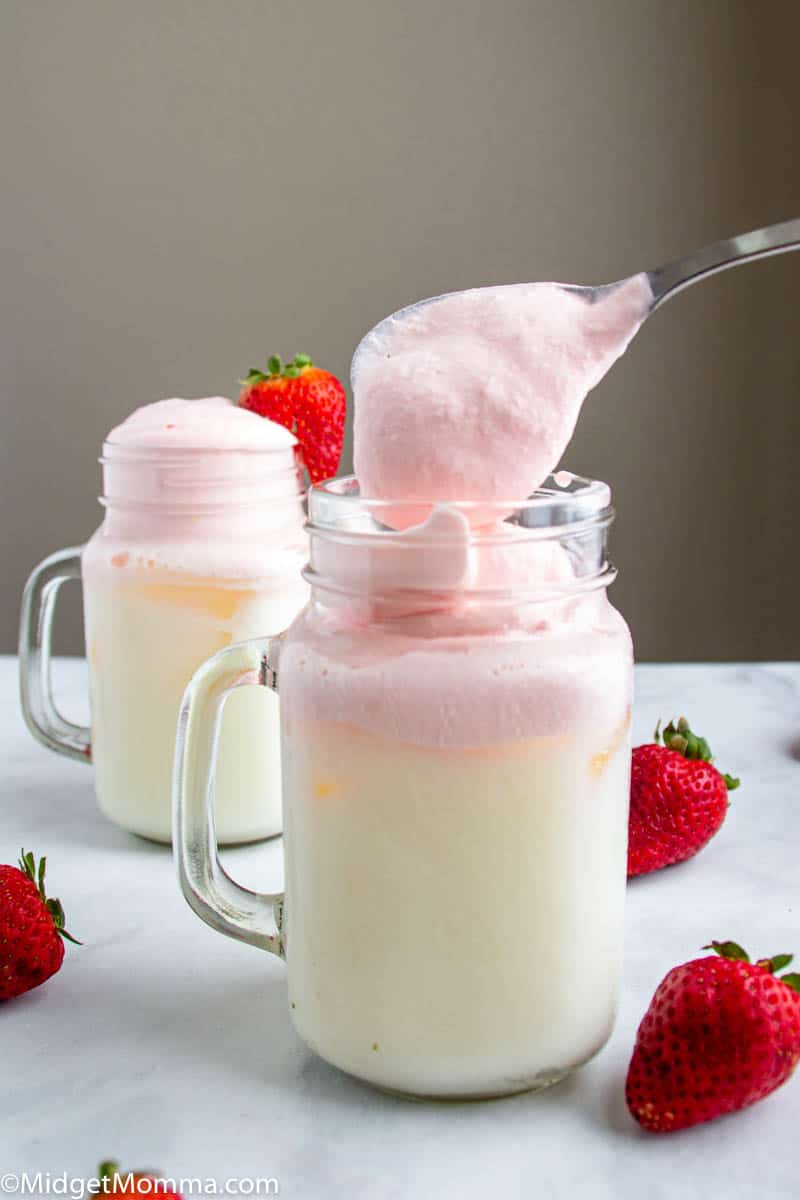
[187, 186]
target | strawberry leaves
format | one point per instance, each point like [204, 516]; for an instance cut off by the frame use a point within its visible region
[779, 961]
[729, 950]
[276, 369]
[734, 951]
[27, 865]
[679, 736]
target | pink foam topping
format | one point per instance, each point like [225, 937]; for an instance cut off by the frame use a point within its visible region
[475, 395]
[199, 487]
[209, 423]
[476, 690]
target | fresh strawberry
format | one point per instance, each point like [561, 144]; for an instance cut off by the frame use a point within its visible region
[309, 401]
[132, 1183]
[720, 1033]
[678, 799]
[31, 928]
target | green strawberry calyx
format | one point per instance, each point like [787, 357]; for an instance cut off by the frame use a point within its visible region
[144, 1182]
[732, 950]
[679, 736]
[29, 868]
[276, 370]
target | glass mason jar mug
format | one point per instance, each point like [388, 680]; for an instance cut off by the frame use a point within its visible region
[199, 548]
[455, 706]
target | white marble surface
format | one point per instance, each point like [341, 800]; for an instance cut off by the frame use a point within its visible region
[161, 1042]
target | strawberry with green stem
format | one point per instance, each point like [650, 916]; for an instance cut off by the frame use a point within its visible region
[679, 799]
[720, 1034]
[32, 928]
[309, 401]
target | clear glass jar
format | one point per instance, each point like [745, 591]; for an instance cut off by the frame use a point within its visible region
[455, 737]
[199, 548]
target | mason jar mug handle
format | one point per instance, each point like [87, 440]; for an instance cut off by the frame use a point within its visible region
[220, 901]
[35, 648]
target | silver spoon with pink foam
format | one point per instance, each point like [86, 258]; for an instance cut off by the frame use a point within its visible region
[474, 395]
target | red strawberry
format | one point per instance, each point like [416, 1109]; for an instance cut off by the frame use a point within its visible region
[678, 799]
[309, 401]
[31, 928]
[720, 1033]
[132, 1183]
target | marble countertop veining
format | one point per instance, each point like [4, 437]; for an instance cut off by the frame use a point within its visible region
[163, 1043]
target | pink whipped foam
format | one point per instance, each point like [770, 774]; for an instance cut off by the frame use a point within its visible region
[196, 452]
[199, 487]
[475, 395]
[470, 691]
[209, 423]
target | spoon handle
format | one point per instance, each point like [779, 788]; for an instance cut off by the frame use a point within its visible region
[668, 280]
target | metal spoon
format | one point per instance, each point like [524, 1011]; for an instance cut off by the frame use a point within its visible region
[665, 281]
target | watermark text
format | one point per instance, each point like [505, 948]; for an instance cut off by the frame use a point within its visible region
[48, 1183]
